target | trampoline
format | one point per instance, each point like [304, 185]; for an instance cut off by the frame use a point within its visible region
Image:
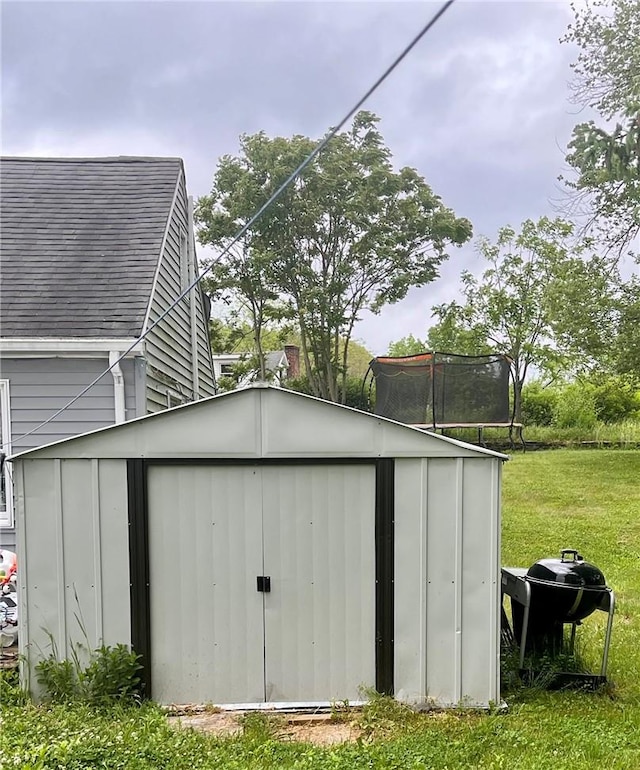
[438, 391]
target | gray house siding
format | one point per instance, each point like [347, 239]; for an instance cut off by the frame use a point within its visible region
[38, 387]
[205, 361]
[168, 346]
[91, 249]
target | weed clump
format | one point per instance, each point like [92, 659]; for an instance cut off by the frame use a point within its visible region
[110, 675]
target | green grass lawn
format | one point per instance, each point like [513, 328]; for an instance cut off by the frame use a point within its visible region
[589, 500]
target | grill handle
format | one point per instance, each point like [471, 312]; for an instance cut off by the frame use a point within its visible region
[575, 556]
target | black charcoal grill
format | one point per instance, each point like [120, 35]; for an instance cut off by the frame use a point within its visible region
[551, 594]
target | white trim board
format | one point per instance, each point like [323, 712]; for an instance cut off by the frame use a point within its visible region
[66, 347]
[6, 516]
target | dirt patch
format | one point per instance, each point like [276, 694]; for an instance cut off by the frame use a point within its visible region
[318, 729]
[223, 723]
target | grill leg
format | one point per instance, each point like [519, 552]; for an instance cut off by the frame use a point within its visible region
[572, 640]
[607, 639]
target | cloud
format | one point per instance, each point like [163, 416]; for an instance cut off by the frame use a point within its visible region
[479, 107]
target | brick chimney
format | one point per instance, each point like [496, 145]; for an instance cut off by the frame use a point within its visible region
[292, 352]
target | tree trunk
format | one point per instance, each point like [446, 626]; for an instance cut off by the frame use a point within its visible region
[517, 399]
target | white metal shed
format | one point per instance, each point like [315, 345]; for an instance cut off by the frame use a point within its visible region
[264, 546]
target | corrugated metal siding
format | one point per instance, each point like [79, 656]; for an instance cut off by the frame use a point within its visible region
[410, 622]
[168, 346]
[206, 615]
[480, 581]
[263, 422]
[447, 544]
[74, 574]
[208, 546]
[311, 529]
[319, 550]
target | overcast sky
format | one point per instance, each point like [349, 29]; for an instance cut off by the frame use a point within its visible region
[480, 107]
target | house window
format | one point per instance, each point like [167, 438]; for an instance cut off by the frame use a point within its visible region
[6, 489]
[227, 370]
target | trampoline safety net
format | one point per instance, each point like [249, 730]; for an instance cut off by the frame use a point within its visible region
[437, 388]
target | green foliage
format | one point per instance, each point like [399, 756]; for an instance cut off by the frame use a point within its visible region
[624, 435]
[408, 346]
[259, 727]
[607, 166]
[111, 674]
[587, 499]
[449, 335]
[382, 716]
[607, 399]
[351, 234]
[607, 162]
[11, 693]
[608, 62]
[300, 385]
[625, 344]
[59, 678]
[538, 403]
[575, 407]
[353, 395]
[358, 358]
[616, 398]
[518, 306]
[235, 335]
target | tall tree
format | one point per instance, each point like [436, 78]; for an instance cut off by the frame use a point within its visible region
[607, 79]
[407, 346]
[520, 301]
[351, 234]
[447, 336]
[450, 336]
[627, 339]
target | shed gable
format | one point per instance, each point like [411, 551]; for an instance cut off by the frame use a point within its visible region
[260, 421]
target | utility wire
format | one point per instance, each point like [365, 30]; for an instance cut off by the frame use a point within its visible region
[293, 176]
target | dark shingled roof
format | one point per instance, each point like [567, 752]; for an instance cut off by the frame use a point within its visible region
[80, 241]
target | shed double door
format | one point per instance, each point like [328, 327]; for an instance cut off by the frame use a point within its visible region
[216, 533]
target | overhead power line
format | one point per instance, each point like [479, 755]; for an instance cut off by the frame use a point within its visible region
[292, 177]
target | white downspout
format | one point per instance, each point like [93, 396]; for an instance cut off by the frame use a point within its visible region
[191, 272]
[118, 385]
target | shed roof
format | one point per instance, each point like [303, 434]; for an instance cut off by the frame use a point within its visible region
[81, 239]
[259, 421]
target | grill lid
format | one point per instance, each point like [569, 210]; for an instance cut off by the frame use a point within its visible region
[570, 570]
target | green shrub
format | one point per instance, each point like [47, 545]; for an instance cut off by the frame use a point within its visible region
[575, 407]
[11, 694]
[59, 678]
[538, 403]
[111, 674]
[355, 395]
[384, 715]
[259, 727]
[300, 385]
[616, 399]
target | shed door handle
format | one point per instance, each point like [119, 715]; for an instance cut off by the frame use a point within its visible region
[264, 583]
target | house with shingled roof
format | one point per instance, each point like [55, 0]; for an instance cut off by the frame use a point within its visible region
[92, 252]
